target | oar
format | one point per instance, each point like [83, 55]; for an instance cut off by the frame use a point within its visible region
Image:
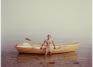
[27, 39]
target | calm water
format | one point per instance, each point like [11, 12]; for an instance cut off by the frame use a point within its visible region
[11, 58]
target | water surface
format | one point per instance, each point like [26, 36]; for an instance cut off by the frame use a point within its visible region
[11, 58]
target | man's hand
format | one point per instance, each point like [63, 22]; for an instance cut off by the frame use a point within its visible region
[40, 47]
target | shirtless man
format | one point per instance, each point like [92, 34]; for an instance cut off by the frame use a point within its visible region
[46, 46]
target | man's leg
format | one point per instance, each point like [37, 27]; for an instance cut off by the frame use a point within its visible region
[46, 52]
[50, 53]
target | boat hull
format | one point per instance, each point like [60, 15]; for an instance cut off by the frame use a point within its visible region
[37, 50]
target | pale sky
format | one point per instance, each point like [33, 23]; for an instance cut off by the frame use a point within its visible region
[64, 19]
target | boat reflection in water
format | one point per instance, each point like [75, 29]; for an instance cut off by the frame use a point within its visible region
[66, 59]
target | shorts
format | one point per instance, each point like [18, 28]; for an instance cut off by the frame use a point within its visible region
[48, 49]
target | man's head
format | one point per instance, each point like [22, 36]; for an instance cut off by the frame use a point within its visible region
[49, 36]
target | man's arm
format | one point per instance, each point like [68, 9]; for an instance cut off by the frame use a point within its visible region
[53, 44]
[42, 44]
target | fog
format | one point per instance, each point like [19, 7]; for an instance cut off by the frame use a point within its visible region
[65, 20]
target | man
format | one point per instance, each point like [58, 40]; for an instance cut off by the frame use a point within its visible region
[47, 44]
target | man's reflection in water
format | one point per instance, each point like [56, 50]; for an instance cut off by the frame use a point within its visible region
[49, 61]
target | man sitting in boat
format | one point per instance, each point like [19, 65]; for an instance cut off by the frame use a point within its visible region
[47, 44]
